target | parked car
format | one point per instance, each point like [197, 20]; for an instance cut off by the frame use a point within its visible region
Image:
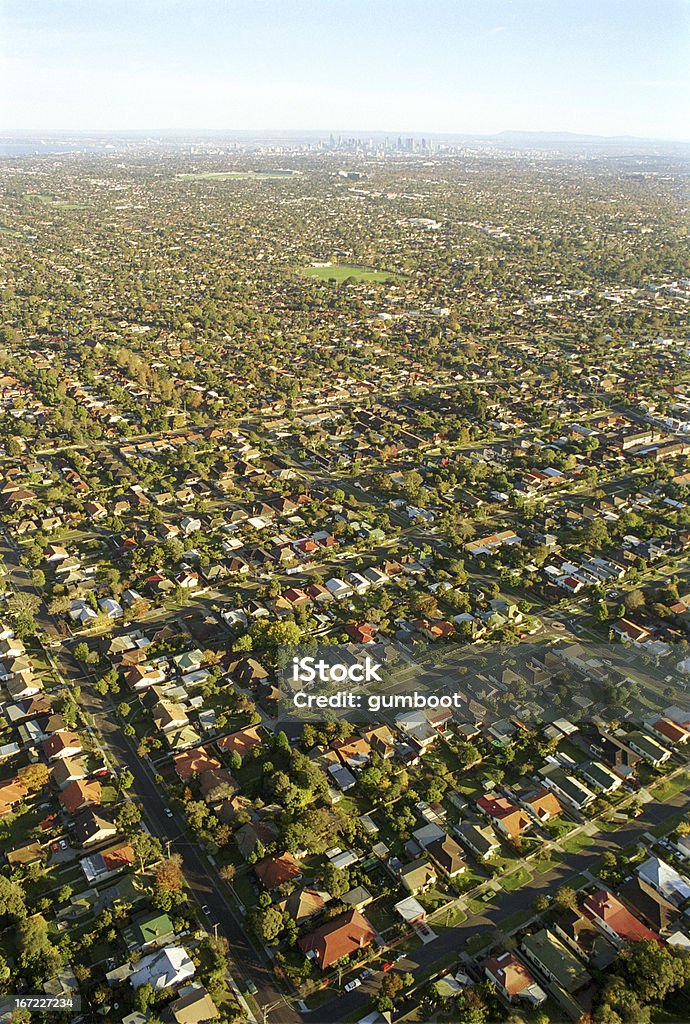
[352, 985]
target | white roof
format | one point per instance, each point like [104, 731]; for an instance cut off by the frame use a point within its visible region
[409, 909]
[665, 879]
[166, 968]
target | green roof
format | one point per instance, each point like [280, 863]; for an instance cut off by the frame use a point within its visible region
[147, 928]
[549, 952]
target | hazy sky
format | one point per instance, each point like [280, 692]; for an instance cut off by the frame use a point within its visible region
[601, 66]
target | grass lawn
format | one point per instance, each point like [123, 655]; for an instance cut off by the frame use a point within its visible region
[339, 272]
[479, 940]
[609, 826]
[381, 915]
[478, 906]
[577, 843]
[559, 827]
[244, 889]
[433, 898]
[667, 826]
[668, 788]
[450, 918]
[516, 879]
[572, 750]
[516, 920]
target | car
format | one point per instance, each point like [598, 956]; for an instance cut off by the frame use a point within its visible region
[63, 844]
[352, 985]
[168, 812]
[205, 909]
[367, 973]
[399, 957]
[388, 965]
[251, 988]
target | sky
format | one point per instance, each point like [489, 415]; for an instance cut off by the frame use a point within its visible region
[604, 67]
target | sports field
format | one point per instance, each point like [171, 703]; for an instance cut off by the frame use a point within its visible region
[341, 271]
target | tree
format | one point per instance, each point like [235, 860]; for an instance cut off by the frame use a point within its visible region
[147, 848]
[81, 652]
[335, 880]
[652, 971]
[34, 776]
[144, 997]
[391, 985]
[11, 899]
[268, 924]
[38, 954]
[424, 604]
[634, 600]
[565, 898]
[169, 874]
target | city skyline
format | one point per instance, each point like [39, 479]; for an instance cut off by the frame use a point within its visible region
[438, 68]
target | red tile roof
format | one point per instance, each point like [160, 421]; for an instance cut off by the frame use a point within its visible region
[274, 871]
[338, 938]
[604, 906]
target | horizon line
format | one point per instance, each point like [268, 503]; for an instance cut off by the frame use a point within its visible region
[583, 135]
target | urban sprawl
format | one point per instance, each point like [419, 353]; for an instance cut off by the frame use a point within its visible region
[423, 403]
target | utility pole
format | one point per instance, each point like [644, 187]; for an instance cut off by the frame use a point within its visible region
[267, 1007]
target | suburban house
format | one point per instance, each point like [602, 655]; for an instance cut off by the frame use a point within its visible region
[149, 930]
[555, 961]
[275, 871]
[567, 787]
[648, 748]
[343, 936]
[513, 980]
[543, 805]
[448, 855]
[80, 794]
[68, 769]
[92, 826]
[642, 899]
[240, 742]
[504, 815]
[614, 920]
[600, 777]
[166, 969]
[671, 732]
[480, 839]
[418, 876]
[668, 882]
[193, 1005]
